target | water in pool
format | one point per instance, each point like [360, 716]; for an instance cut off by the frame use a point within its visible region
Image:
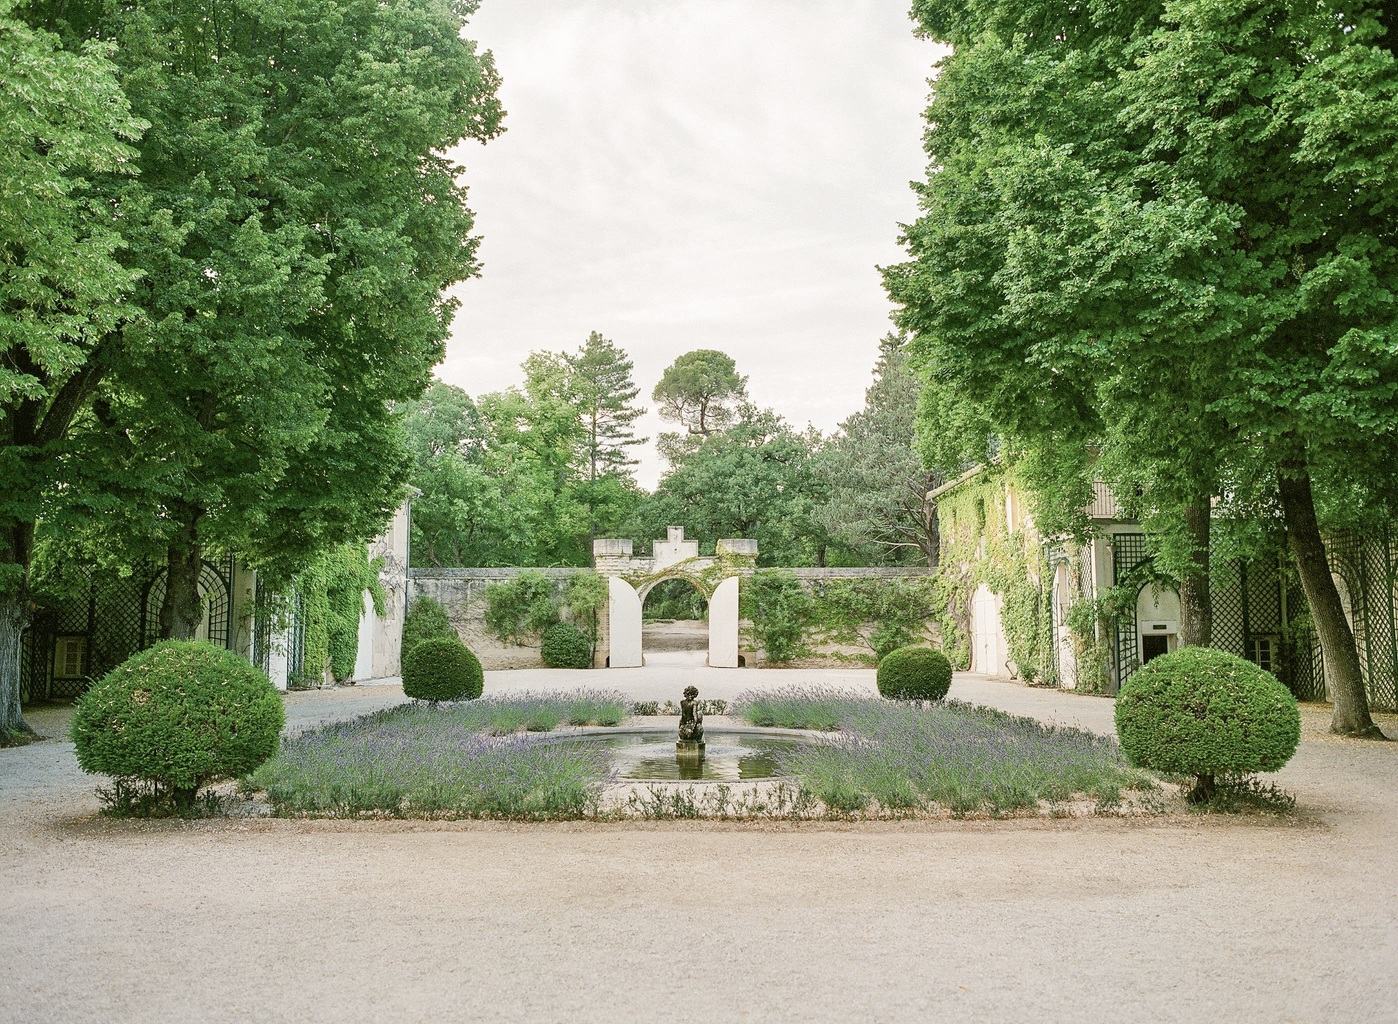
[728, 756]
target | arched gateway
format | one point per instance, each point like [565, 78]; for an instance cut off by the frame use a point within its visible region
[630, 579]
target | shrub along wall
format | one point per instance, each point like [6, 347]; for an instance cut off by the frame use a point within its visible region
[839, 616]
[506, 632]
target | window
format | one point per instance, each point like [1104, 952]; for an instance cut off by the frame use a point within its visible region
[1260, 652]
[69, 653]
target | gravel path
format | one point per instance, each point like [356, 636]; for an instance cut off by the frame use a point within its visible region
[1098, 920]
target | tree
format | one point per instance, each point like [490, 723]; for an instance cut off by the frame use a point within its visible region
[757, 479]
[63, 291]
[603, 391]
[595, 383]
[876, 480]
[1011, 309]
[304, 220]
[1196, 199]
[701, 391]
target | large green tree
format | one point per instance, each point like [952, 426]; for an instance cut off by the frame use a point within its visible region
[877, 484]
[63, 290]
[757, 479]
[702, 392]
[305, 225]
[1174, 230]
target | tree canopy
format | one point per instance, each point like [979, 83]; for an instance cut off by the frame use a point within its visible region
[1162, 233]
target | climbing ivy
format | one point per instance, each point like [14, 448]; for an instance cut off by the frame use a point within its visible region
[788, 618]
[980, 547]
[518, 611]
[332, 590]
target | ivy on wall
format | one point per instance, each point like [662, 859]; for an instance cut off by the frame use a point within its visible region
[787, 619]
[980, 547]
[518, 611]
[332, 590]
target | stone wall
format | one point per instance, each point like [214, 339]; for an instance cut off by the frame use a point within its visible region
[462, 593]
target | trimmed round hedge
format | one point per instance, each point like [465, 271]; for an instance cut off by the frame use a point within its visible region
[180, 715]
[914, 673]
[565, 646]
[1203, 712]
[442, 668]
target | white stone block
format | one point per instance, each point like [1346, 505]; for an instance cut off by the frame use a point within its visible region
[623, 624]
[723, 625]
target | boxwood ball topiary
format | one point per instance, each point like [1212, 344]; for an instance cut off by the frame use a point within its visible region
[565, 646]
[442, 668]
[1203, 712]
[914, 673]
[182, 714]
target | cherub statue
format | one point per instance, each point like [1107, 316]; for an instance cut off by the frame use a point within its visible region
[691, 717]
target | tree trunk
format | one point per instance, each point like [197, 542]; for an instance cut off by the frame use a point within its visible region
[1196, 607]
[1343, 677]
[181, 610]
[14, 616]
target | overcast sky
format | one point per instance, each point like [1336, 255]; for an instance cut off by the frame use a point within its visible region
[683, 174]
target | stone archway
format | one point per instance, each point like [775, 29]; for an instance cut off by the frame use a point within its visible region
[631, 578]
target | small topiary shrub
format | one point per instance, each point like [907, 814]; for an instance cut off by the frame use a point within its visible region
[442, 668]
[565, 646]
[914, 673]
[426, 618]
[1203, 712]
[178, 716]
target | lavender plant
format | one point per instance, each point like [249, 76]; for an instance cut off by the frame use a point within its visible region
[949, 754]
[428, 763]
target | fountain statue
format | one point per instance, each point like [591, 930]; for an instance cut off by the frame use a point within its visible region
[691, 741]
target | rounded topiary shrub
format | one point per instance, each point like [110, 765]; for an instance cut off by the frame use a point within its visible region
[565, 646]
[442, 668]
[180, 715]
[914, 673]
[1203, 712]
[426, 619]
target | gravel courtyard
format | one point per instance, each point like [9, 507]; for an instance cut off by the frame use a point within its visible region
[1198, 920]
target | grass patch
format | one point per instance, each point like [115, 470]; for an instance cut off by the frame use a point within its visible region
[909, 756]
[426, 761]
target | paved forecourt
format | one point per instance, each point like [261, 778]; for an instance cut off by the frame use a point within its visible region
[981, 921]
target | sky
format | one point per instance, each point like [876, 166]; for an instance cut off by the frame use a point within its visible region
[682, 174]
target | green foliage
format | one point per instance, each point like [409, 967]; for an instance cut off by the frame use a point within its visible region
[914, 673]
[701, 391]
[442, 668]
[179, 715]
[756, 479]
[565, 646]
[674, 599]
[64, 291]
[876, 500]
[1203, 712]
[880, 614]
[980, 547]
[527, 476]
[425, 620]
[780, 611]
[332, 588]
[585, 594]
[519, 610]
